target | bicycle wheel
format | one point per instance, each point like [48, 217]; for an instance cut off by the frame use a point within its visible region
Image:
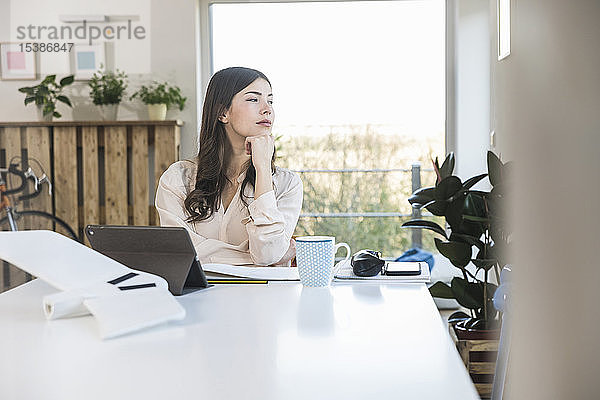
[29, 219]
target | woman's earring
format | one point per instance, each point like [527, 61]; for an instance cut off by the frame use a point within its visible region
[223, 119]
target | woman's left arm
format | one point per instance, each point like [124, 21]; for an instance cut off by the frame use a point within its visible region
[272, 221]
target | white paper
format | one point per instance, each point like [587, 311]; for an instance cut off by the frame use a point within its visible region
[64, 305]
[267, 273]
[129, 312]
[83, 275]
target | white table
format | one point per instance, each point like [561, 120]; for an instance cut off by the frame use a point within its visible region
[275, 341]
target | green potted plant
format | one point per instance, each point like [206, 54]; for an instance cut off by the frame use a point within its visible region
[474, 220]
[160, 96]
[46, 94]
[106, 90]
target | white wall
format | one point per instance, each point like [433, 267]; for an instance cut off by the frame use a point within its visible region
[469, 81]
[547, 116]
[172, 57]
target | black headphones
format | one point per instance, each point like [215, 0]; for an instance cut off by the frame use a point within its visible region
[367, 263]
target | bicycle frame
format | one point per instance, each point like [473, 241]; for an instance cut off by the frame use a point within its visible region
[5, 205]
[12, 214]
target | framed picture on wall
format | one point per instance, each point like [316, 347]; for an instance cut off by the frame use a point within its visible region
[16, 63]
[87, 59]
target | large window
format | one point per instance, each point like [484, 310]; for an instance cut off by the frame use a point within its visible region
[359, 92]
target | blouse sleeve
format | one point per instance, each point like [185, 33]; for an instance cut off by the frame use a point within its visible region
[272, 222]
[169, 202]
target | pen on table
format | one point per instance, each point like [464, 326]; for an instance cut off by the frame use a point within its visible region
[237, 281]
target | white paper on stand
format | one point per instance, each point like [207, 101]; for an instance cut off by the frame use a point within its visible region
[130, 312]
[255, 272]
[84, 276]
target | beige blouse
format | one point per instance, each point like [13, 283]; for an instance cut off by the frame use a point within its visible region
[258, 234]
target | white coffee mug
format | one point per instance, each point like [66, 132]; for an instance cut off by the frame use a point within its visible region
[315, 258]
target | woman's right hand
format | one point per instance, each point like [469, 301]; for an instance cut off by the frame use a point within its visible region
[261, 148]
[288, 256]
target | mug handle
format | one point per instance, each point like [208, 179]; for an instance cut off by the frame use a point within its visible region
[348, 252]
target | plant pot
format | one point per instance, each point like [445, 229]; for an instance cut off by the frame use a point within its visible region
[157, 112]
[109, 111]
[476, 334]
[479, 357]
[41, 116]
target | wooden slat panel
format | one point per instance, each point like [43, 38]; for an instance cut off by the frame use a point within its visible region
[94, 122]
[482, 367]
[91, 195]
[36, 137]
[115, 145]
[16, 276]
[1, 146]
[65, 175]
[11, 142]
[463, 347]
[4, 275]
[166, 143]
[139, 152]
[38, 148]
[11, 276]
[484, 390]
[484, 345]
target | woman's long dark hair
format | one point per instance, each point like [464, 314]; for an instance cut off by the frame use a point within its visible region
[215, 149]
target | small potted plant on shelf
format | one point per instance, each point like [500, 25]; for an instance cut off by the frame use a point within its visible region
[159, 97]
[106, 90]
[46, 94]
[474, 219]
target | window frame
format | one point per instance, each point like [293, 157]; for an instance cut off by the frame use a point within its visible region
[205, 56]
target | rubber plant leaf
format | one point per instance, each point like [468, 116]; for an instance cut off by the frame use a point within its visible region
[441, 290]
[422, 196]
[495, 167]
[437, 207]
[469, 295]
[457, 317]
[430, 225]
[473, 241]
[485, 263]
[473, 218]
[469, 183]
[436, 168]
[454, 211]
[488, 251]
[447, 167]
[476, 324]
[447, 188]
[458, 253]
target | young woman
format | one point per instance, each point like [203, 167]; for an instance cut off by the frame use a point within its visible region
[238, 207]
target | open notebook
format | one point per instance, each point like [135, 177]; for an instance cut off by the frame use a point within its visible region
[226, 271]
